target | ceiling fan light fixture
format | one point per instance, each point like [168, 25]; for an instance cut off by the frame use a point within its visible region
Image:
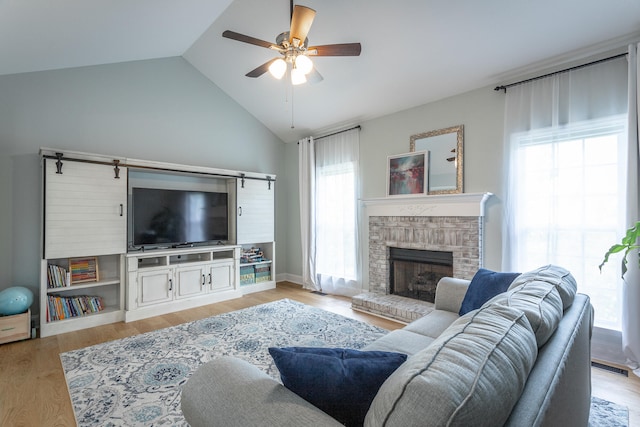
[297, 76]
[304, 64]
[278, 68]
[293, 46]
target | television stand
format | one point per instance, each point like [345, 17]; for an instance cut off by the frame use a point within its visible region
[164, 281]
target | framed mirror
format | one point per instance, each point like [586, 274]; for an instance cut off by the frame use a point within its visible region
[445, 147]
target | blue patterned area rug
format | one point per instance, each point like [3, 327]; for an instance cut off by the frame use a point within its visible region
[136, 381]
[607, 414]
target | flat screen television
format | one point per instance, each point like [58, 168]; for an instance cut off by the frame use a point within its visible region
[169, 218]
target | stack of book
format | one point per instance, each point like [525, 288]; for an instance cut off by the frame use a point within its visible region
[252, 255]
[57, 277]
[247, 275]
[60, 307]
[263, 273]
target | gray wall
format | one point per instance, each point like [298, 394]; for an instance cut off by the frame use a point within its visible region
[480, 111]
[162, 110]
[165, 110]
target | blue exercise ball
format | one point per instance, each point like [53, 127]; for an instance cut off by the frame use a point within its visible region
[15, 300]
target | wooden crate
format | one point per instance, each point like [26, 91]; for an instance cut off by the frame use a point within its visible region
[16, 327]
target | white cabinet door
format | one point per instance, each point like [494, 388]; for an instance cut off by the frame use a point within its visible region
[222, 276]
[255, 213]
[155, 286]
[190, 281]
[85, 210]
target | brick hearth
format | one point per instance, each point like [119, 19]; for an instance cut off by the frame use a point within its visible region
[404, 309]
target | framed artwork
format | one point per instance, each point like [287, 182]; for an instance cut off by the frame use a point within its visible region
[83, 269]
[407, 174]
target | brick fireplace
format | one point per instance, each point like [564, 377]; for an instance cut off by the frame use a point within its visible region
[443, 224]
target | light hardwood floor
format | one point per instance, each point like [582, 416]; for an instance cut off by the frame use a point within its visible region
[33, 390]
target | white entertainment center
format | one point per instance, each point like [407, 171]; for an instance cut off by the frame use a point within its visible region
[91, 272]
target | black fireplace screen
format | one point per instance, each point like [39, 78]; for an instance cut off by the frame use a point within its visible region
[415, 272]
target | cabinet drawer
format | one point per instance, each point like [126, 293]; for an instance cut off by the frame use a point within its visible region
[16, 327]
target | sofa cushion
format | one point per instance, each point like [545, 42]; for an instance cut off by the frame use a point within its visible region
[341, 382]
[400, 341]
[559, 277]
[432, 324]
[473, 374]
[485, 285]
[540, 302]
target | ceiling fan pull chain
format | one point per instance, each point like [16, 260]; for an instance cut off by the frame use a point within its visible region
[292, 126]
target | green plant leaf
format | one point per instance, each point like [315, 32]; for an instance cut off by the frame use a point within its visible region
[628, 244]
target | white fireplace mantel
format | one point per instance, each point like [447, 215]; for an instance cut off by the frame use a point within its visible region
[463, 204]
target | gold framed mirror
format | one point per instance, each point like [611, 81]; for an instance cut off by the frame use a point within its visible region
[445, 147]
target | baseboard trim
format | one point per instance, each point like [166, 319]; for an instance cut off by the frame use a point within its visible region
[288, 277]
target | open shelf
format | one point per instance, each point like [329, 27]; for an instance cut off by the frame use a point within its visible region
[108, 311]
[246, 264]
[83, 286]
[190, 257]
[109, 288]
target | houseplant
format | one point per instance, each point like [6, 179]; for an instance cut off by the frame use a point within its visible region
[629, 243]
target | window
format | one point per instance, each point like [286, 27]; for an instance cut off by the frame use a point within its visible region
[569, 205]
[336, 220]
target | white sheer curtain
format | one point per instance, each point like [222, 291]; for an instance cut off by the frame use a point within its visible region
[566, 151]
[307, 189]
[337, 194]
[631, 287]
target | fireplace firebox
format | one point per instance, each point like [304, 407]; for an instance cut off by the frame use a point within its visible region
[414, 273]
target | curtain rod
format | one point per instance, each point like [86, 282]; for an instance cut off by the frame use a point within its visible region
[577, 67]
[336, 133]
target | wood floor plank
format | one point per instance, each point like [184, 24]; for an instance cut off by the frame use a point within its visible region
[33, 391]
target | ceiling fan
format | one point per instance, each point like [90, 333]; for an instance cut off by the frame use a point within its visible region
[293, 46]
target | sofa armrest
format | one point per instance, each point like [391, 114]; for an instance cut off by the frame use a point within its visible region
[231, 392]
[449, 294]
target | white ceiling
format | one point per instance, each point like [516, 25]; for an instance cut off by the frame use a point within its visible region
[413, 51]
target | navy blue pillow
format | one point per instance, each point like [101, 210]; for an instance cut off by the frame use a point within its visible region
[341, 382]
[485, 285]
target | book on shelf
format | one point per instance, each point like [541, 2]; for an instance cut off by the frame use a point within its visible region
[84, 269]
[252, 255]
[61, 307]
[57, 277]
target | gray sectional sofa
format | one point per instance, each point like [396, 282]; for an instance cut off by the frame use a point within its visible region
[521, 359]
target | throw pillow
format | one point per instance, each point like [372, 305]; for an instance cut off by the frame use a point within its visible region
[485, 285]
[341, 382]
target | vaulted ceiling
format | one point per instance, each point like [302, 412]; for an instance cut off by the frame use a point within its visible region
[413, 51]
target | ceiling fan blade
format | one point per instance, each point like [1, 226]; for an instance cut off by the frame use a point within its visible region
[257, 72]
[247, 39]
[314, 76]
[301, 21]
[342, 49]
